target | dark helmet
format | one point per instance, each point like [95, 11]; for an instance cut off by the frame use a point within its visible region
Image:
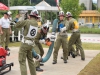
[68, 14]
[34, 13]
[45, 28]
[61, 13]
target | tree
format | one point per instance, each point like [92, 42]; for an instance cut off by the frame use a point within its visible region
[83, 6]
[71, 6]
[93, 6]
[4, 2]
[19, 2]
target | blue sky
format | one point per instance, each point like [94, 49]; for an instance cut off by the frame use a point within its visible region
[94, 1]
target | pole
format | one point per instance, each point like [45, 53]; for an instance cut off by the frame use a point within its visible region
[8, 3]
[30, 2]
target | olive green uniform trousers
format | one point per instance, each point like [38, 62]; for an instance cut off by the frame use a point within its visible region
[39, 50]
[5, 37]
[61, 40]
[75, 39]
[26, 52]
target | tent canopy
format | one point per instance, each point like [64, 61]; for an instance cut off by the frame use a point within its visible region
[42, 6]
[3, 7]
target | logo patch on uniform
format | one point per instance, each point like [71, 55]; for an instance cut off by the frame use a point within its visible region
[32, 31]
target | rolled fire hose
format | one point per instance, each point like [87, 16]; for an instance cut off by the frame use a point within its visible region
[46, 58]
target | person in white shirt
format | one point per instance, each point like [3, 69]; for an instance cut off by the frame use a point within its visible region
[5, 30]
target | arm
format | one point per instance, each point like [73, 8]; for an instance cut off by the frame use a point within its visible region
[10, 30]
[1, 27]
[20, 24]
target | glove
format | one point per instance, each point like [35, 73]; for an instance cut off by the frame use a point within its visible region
[62, 29]
[38, 58]
[52, 37]
[42, 41]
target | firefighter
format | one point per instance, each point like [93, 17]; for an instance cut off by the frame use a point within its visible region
[75, 37]
[41, 39]
[30, 28]
[61, 39]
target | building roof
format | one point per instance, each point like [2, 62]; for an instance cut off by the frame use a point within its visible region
[43, 3]
[90, 13]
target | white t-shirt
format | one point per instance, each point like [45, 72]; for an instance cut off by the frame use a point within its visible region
[5, 23]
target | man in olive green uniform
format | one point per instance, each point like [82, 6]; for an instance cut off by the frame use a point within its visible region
[5, 30]
[61, 39]
[16, 30]
[75, 37]
[29, 33]
[40, 39]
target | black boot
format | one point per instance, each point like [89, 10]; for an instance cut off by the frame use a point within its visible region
[61, 57]
[6, 48]
[54, 62]
[39, 69]
[83, 59]
[73, 55]
[69, 53]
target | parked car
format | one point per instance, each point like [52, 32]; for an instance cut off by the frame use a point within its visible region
[89, 25]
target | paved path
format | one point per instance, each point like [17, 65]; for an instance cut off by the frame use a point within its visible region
[73, 67]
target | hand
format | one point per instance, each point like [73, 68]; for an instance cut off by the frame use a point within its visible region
[10, 32]
[53, 37]
[42, 41]
[1, 32]
[63, 29]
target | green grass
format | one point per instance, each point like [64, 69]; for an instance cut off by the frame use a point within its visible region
[90, 30]
[86, 46]
[92, 68]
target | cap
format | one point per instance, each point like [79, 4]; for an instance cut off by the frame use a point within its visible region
[6, 13]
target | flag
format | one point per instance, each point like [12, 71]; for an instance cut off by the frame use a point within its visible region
[57, 2]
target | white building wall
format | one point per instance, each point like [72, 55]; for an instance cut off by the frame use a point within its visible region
[98, 3]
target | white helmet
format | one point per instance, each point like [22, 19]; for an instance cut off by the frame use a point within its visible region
[9, 12]
[23, 11]
[68, 14]
[34, 13]
[61, 13]
[45, 28]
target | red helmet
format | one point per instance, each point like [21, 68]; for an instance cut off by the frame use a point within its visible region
[61, 13]
[34, 13]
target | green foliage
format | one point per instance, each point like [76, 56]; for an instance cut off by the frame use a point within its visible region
[51, 2]
[4, 2]
[71, 6]
[83, 6]
[93, 6]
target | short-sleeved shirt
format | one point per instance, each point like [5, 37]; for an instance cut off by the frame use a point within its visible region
[5, 23]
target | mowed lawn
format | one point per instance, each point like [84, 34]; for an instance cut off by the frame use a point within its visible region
[86, 46]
